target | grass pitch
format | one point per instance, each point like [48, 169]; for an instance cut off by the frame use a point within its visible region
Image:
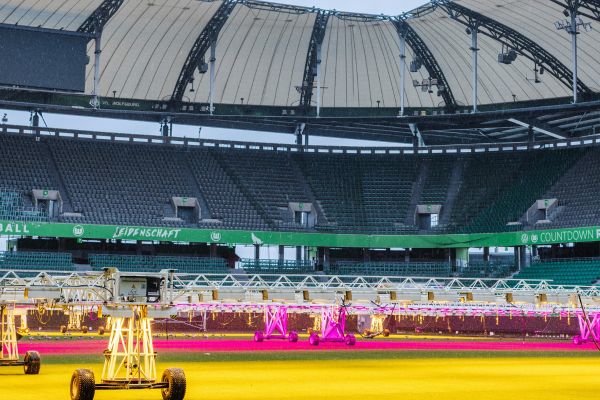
[339, 375]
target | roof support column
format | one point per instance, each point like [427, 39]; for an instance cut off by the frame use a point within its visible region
[300, 127]
[574, 33]
[95, 102]
[418, 141]
[530, 137]
[213, 59]
[402, 71]
[474, 56]
[318, 78]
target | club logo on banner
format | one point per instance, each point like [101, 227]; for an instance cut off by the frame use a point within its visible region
[78, 231]
[524, 238]
[215, 236]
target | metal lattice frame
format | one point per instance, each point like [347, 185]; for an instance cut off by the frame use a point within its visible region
[208, 35]
[433, 68]
[267, 6]
[316, 39]
[513, 39]
[90, 288]
[96, 21]
[9, 350]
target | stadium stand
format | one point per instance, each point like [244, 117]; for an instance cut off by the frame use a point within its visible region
[223, 195]
[564, 272]
[23, 260]
[486, 270]
[577, 193]
[110, 182]
[192, 265]
[383, 268]
[269, 179]
[277, 266]
[365, 193]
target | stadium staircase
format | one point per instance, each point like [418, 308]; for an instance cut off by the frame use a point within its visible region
[417, 190]
[453, 189]
[55, 176]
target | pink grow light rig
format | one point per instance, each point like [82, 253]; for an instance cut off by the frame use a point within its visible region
[276, 325]
[333, 327]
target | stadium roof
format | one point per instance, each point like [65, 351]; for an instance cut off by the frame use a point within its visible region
[262, 50]
[265, 52]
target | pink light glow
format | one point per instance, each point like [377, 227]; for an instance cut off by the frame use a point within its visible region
[247, 345]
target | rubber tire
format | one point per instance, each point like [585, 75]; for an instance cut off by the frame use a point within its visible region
[32, 363]
[577, 340]
[83, 385]
[84, 329]
[63, 329]
[293, 337]
[313, 339]
[177, 384]
[386, 333]
[350, 340]
[101, 331]
[259, 336]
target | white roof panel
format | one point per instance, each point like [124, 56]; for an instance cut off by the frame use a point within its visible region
[260, 58]
[56, 14]
[146, 44]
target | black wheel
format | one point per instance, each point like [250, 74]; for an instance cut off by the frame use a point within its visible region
[101, 330]
[83, 386]
[175, 377]
[84, 329]
[63, 329]
[32, 363]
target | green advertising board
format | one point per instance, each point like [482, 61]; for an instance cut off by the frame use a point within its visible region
[506, 239]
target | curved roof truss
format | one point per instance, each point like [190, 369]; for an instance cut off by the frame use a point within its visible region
[514, 40]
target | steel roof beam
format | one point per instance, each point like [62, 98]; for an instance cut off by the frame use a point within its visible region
[202, 44]
[312, 59]
[513, 39]
[100, 17]
[535, 125]
[429, 61]
[267, 6]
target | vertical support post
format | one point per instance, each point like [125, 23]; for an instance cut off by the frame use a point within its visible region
[257, 252]
[300, 127]
[530, 137]
[318, 66]
[474, 51]
[402, 71]
[213, 59]
[517, 256]
[486, 254]
[95, 103]
[326, 258]
[573, 32]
